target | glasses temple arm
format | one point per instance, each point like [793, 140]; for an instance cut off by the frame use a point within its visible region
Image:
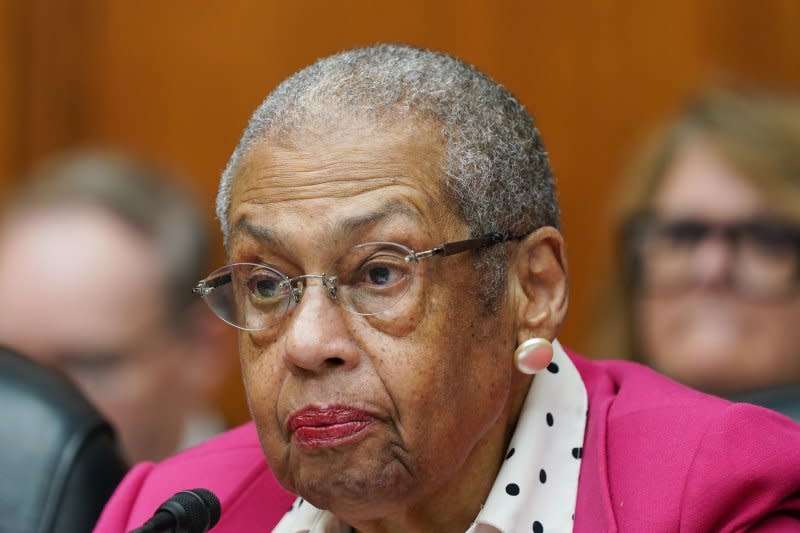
[457, 247]
[205, 286]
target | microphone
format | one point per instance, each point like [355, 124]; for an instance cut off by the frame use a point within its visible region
[188, 511]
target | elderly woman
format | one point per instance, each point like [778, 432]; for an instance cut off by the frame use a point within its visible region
[397, 278]
[711, 257]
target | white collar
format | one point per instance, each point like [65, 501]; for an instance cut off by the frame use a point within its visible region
[537, 486]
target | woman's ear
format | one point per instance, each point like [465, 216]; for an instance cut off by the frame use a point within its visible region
[542, 284]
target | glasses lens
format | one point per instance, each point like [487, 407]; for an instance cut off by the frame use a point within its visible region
[758, 258]
[375, 277]
[667, 249]
[768, 259]
[370, 279]
[247, 295]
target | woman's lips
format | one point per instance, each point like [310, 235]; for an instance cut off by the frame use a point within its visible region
[323, 427]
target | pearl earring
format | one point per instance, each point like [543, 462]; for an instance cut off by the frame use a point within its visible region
[533, 355]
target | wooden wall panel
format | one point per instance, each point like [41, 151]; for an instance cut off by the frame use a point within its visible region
[177, 80]
[52, 102]
[10, 92]
[757, 41]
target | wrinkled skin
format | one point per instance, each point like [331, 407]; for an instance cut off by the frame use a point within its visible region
[437, 378]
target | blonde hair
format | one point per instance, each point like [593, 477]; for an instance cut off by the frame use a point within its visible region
[755, 131]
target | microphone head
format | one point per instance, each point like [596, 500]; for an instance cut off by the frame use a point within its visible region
[211, 503]
[196, 510]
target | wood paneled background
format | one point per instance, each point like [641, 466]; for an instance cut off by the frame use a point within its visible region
[176, 80]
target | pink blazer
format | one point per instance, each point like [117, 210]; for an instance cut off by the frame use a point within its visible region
[657, 456]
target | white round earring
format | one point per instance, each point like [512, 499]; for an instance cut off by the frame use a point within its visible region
[533, 355]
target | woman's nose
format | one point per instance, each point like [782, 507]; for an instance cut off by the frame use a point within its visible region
[713, 261]
[317, 337]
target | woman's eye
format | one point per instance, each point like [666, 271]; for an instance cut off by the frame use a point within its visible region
[769, 239]
[377, 267]
[265, 287]
[380, 275]
[686, 233]
[381, 272]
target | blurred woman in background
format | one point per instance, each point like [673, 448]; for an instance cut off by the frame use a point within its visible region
[710, 249]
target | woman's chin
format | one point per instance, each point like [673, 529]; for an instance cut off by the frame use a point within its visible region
[701, 360]
[354, 494]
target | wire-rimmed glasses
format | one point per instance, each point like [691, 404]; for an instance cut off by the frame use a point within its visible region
[370, 278]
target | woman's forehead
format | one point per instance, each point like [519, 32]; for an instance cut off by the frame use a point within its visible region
[344, 153]
[396, 136]
[701, 181]
[347, 177]
[336, 223]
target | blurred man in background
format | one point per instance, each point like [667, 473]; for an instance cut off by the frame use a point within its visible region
[98, 255]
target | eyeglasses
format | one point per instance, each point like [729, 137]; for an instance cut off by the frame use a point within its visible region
[763, 254]
[370, 278]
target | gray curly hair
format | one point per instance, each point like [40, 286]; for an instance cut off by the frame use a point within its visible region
[496, 168]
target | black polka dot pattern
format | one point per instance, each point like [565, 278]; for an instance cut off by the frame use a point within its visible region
[555, 468]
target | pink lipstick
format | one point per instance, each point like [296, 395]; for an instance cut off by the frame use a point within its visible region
[324, 427]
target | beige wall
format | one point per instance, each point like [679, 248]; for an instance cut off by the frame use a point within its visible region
[177, 80]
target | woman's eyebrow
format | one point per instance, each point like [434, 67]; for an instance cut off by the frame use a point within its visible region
[387, 210]
[341, 228]
[261, 233]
